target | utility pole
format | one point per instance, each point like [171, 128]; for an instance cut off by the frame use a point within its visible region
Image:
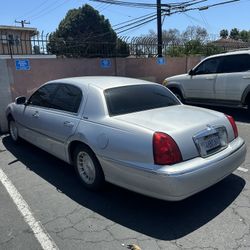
[23, 22]
[159, 28]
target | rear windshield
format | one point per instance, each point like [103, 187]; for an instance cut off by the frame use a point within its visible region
[134, 98]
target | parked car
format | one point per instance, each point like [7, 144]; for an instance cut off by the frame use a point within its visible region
[133, 133]
[222, 79]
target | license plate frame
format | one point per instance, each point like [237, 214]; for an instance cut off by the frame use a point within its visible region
[211, 140]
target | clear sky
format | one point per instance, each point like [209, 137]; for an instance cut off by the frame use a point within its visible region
[45, 15]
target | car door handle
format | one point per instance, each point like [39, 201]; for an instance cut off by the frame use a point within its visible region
[36, 114]
[210, 78]
[68, 124]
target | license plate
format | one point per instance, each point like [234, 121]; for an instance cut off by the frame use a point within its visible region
[210, 142]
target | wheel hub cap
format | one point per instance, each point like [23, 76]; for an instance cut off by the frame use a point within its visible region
[86, 168]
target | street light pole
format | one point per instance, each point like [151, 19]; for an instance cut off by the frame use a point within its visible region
[159, 28]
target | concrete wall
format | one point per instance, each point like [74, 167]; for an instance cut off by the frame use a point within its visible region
[5, 93]
[14, 82]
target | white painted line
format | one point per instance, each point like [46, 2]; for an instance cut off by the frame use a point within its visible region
[39, 231]
[242, 169]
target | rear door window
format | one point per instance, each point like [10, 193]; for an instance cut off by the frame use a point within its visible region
[67, 98]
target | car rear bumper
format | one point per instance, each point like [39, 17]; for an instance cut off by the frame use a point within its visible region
[182, 180]
[200, 173]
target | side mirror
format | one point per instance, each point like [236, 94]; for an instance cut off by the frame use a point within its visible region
[20, 100]
[191, 72]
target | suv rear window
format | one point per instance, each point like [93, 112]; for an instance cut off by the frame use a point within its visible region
[134, 98]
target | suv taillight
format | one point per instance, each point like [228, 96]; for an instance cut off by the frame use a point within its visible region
[165, 149]
[233, 124]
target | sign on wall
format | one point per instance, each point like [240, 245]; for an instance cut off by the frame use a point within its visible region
[105, 63]
[22, 64]
[161, 60]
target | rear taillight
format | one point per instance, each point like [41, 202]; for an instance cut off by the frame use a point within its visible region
[233, 124]
[165, 149]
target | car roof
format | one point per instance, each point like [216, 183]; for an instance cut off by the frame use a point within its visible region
[235, 52]
[102, 82]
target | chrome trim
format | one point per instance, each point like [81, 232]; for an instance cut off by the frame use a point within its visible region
[55, 110]
[210, 130]
[220, 158]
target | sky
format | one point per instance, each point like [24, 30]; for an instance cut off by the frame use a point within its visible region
[45, 15]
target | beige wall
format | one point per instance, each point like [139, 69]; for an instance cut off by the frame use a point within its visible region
[5, 93]
[43, 70]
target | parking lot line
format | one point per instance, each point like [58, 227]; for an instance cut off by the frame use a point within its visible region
[39, 231]
[242, 169]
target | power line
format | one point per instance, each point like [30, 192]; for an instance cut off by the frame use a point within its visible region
[138, 25]
[134, 19]
[33, 9]
[129, 25]
[50, 10]
[204, 20]
[104, 7]
[162, 9]
[128, 4]
[47, 8]
[138, 21]
[149, 5]
[193, 18]
[211, 5]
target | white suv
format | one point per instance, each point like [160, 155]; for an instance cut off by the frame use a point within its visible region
[222, 79]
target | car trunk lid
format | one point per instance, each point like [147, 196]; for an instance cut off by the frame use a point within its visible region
[181, 122]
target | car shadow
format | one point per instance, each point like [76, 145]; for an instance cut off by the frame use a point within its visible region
[155, 218]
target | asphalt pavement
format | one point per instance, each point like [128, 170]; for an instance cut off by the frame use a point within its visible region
[59, 208]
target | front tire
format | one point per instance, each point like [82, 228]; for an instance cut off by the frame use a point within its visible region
[13, 130]
[88, 168]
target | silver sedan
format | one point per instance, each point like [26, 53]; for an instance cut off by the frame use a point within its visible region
[133, 133]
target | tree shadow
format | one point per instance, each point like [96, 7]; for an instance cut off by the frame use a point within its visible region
[155, 218]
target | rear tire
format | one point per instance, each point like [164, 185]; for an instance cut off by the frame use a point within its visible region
[88, 168]
[13, 130]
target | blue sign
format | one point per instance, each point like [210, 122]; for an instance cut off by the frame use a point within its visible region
[105, 63]
[161, 60]
[23, 64]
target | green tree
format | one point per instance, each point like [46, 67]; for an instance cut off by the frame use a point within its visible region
[244, 35]
[193, 47]
[224, 33]
[211, 49]
[85, 33]
[234, 34]
[175, 51]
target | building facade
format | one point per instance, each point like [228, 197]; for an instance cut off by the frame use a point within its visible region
[16, 40]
